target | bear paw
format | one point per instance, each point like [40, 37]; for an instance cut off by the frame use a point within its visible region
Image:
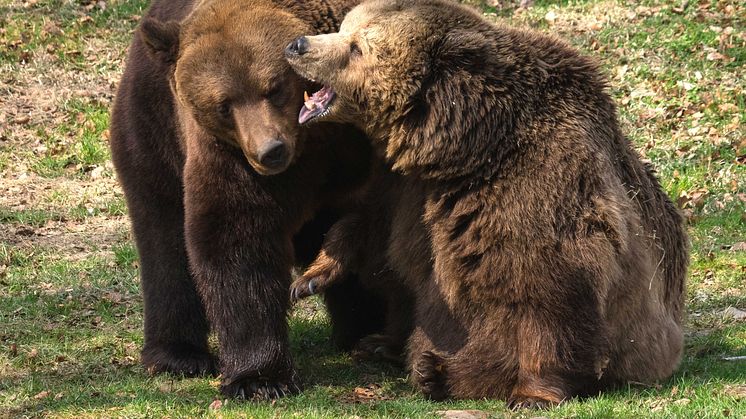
[430, 375]
[517, 402]
[378, 348]
[306, 286]
[183, 359]
[259, 388]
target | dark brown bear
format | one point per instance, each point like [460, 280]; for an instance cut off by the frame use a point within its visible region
[546, 259]
[217, 171]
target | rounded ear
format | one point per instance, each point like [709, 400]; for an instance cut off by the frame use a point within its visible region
[450, 124]
[461, 47]
[161, 38]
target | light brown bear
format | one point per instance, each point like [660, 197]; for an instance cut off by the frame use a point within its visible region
[546, 259]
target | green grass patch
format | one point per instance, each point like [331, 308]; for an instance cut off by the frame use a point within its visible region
[77, 143]
[30, 217]
[71, 323]
[60, 27]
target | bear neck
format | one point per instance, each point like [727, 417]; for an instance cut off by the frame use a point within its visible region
[475, 117]
[476, 141]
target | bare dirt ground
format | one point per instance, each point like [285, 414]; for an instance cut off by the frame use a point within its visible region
[38, 122]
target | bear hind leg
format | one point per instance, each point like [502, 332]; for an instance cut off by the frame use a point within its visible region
[430, 375]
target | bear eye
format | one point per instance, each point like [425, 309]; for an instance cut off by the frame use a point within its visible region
[355, 49]
[224, 109]
[276, 95]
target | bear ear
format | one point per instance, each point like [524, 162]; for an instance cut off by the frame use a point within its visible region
[161, 38]
[460, 48]
[444, 123]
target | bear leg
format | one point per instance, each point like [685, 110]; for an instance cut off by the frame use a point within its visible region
[176, 327]
[239, 242]
[562, 348]
[355, 312]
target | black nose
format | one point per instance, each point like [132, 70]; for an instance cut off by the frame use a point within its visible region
[273, 155]
[297, 47]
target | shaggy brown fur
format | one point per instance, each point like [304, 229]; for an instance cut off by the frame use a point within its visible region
[206, 108]
[546, 260]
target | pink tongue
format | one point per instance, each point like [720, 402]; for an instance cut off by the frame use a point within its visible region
[305, 115]
[319, 99]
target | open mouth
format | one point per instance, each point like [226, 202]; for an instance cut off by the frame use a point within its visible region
[316, 105]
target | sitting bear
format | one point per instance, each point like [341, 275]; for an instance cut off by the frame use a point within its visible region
[546, 260]
[219, 178]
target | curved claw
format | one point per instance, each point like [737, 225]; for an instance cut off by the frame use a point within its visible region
[311, 286]
[261, 389]
[304, 288]
[529, 403]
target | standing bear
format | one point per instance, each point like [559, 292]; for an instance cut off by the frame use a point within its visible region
[546, 260]
[220, 180]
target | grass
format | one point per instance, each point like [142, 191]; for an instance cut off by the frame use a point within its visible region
[70, 308]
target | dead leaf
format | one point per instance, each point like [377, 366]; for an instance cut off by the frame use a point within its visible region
[216, 404]
[714, 56]
[42, 395]
[51, 28]
[22, 120]
[738, 247]
[734, 313]
[113, 297]
[365, 394]
[692, 199]
[738, 391]
[681, 8]
[727, 107]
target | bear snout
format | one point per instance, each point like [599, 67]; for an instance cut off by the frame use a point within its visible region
[273, 155]
[297, 47]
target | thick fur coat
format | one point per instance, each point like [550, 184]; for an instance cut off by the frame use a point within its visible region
[221, 185]
[546, 260]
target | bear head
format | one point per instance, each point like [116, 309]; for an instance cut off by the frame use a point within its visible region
[426, 79]
[227, 71]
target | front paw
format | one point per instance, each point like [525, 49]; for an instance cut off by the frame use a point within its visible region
[305, 287]
[179, 359]
[379, 348]
[254, 387]
[517, 402]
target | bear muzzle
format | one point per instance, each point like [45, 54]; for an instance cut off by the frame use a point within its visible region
[297, 47]
[273, 155]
